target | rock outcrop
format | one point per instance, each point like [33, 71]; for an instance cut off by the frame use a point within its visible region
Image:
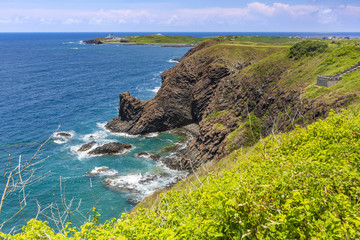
[184, 94]
[92, 41]
[86, 146]
[63, 135]
[111, 148]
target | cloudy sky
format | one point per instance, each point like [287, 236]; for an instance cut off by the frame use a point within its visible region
[179, 15]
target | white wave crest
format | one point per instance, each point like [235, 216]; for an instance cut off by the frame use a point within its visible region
[102, 126]
[60, 141]
[103, 171]
[173, 61]
[82, 155]
[152, 135]
[98, 136]
[144, 184]
[155, 90]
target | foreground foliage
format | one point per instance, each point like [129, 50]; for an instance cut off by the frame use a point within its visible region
[298, 185]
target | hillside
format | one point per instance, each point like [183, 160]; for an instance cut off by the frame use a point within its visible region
[265, 164]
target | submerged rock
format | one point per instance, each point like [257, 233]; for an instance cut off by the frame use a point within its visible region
[86, 146]
[111, 148]
[133, 200]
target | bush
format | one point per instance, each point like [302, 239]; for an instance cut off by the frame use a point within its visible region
[307, 48]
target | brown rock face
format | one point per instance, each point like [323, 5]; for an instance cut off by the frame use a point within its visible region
[183, 96]
[93, 41]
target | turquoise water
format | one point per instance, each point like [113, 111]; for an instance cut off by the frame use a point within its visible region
[49, 80]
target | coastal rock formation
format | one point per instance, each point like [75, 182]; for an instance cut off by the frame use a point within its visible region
[86, 146]
[184, 94]
[231, 94]
[92, 41]
[111, 148]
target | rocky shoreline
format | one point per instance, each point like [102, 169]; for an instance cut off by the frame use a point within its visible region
[98, 42]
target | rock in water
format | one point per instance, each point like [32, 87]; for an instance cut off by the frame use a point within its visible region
[148, 155]
[86, 146]
[92, 41]
[111, 148]
[98, 170]
[64, 134]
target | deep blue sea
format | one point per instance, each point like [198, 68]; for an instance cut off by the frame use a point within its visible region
[51, 79]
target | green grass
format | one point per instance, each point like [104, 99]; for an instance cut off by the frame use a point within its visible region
[163, 39]
[260, 40]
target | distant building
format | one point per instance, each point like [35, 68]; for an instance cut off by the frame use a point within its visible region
[110, 36]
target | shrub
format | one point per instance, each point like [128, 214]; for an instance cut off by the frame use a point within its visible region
[307, 48]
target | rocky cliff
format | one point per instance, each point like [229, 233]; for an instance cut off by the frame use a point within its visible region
[235, 93]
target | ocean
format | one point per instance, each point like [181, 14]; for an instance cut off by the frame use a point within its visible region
[50, 81]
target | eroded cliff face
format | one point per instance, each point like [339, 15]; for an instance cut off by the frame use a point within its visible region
[184, 94]
[231, 92]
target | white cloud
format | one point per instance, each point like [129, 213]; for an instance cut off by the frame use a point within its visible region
[208, 15]
[254, 13]
[72, 21]
[281, 8]
[4, 20]
[262, 8]
[327, 16]
[46, 20]
[351, 11]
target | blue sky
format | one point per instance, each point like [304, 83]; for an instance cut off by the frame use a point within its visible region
[179, 16]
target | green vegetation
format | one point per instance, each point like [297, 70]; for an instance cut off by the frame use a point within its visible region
[215, 114]
[307, 48]
[249, 133]
[260, 40]
[163, 39]
[299, 185]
